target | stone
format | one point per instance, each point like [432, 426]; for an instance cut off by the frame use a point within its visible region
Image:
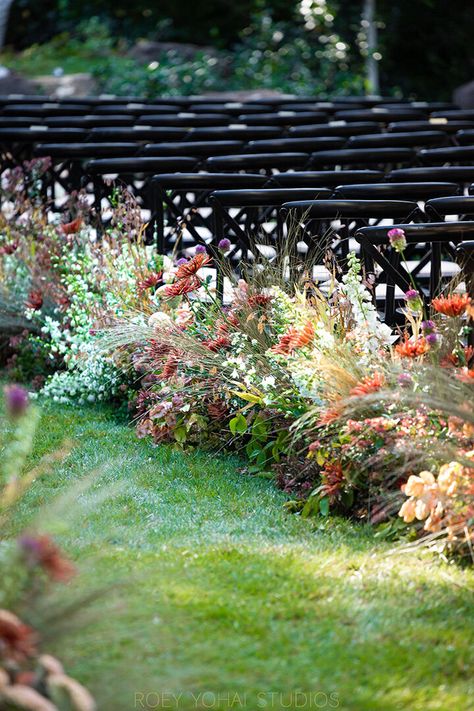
[146, 51]
[61, 86]
[13, 83]
[463, 96]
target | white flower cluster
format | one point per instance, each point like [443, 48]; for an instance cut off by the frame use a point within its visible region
[369, 331]
[97, 379]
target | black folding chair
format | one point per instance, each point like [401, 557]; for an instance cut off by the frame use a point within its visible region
[399, 139]
[202, 149]
[135, 174]
[333, 128]
[436, 238]
[383, 158]
[180, 205]
[453, 154]
[249, 217]
[460, 174]
[331, 224]
[265, 162]
[396, 191]
[324, 178]
[462, 206]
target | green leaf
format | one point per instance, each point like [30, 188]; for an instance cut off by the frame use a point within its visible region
[238, 424]
[324, 506]
[180, 434]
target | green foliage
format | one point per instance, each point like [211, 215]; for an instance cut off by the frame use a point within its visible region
[226, 589]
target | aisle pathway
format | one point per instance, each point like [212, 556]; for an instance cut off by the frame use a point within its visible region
[227, 595]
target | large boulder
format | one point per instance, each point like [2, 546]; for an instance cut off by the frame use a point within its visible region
[463, 96]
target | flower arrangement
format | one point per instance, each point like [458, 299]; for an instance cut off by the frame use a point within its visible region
[305, 381]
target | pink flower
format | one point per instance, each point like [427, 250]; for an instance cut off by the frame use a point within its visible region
[397, 239]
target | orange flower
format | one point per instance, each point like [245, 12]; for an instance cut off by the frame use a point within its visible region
[183, 286]
[368, 385]
[70, 228]
[330, 415]
[294, 339]
[453, 305]
[191, 268]
[412, 349]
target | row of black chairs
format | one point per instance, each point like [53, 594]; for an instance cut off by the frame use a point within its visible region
[304, 176]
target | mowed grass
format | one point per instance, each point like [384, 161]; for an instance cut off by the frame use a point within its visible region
[220, 599]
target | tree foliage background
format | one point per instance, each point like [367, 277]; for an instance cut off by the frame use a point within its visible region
[426, 45]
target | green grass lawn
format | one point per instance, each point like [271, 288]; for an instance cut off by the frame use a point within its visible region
[224, 594]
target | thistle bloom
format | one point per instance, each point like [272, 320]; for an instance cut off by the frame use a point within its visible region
[397, 239]
[413, 299]
[453, 305]
[200, 249]
[16, 400]
[224, 244]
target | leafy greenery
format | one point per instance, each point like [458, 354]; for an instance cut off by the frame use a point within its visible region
[224, 592]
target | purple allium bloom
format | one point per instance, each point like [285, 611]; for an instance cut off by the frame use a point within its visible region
[16, 400]
[405, 380]
[224, 244]
[200, 249]
[428, 326]
[181, 261]
[432, 338]
[411, 295]
[397, 239]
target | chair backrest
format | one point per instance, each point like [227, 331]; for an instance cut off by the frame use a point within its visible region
[324, 178]
[361, 156]
[257, 161]
[453, 154]
[404, 274]
[193, 148]
[307, 145]
[457, 205]
[180, 204]
[396, 191]
[334, 128]
[461, 174]
[400, 139]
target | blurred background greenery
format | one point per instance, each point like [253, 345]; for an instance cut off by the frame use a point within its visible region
[304, 47]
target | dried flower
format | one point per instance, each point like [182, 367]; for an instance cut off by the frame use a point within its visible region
[150, 281]
[35, 300]
[42, 551]
[16, 400]
[453, 305]
[17, 640]
[183, 286]
[70, 228]
[191, 267]
[397, 239]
